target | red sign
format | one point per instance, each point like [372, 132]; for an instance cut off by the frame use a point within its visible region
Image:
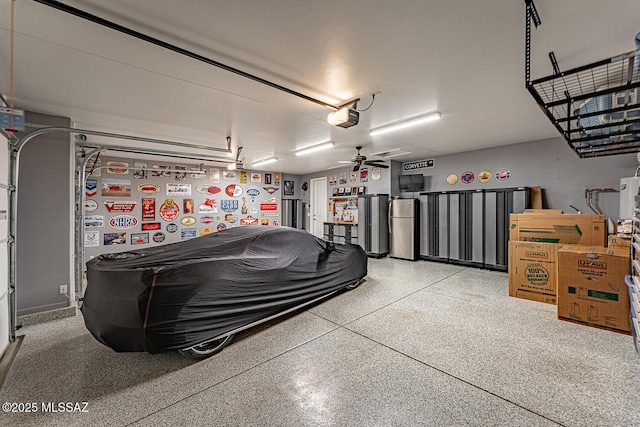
[120, 205]
[148, 209]
[268, 206]
[151, 226]
[248, 220]
[169, 210]
[233, 190]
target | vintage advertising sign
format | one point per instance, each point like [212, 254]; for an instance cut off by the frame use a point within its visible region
[206, 230]
[484, 176]
[91, 187]
[159, 237]
[161, 170]
[174, 189]
[248, 220]
[207, 219]
[187, 206]
[270, 190]
[208, 206]
[503, 174]
[243, 176]
[116, 188]
[115, 238]
[452, 178]
[120, 205]
[269, 205]
[269, 214]
[148, 188]
[123, 222]
[140, 173]
[181, 176]
[208, 189]
[421, 164]
[151, 226]
[253, 191]
[118, 168]
[229, 205]
[188, 233]
[221, 227]
[148, 209]
[139, 238]
[91, 239]
[197, 173]
[467, 177]
[229, 175]
[230, 218]
[94, 221]
[90, 205]
[214, 175]
[188, 221]
[172, 228]
[169, 210]
[233, 190]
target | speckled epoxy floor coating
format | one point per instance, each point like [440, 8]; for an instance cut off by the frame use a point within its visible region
[418, 343]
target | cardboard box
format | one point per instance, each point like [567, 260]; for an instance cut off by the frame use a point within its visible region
[559, 228]
[615, 240]
[591, 287]
[535, 197]
[533, 271]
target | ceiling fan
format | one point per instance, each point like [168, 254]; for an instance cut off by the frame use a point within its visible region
[359, 160]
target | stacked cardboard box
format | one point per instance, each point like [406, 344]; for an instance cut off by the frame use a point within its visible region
[534, 239]
[591, 286]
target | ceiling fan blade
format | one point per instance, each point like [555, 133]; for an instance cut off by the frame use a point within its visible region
[356, 167]
[373, 163]
[345, 161]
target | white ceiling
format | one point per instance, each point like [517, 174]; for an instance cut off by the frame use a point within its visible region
[463, 58]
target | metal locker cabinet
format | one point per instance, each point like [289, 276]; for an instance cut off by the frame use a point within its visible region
[456, 221]
[442, 226]
[426, 224]
[476, 218]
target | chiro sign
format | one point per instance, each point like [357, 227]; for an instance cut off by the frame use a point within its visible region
[420, 164]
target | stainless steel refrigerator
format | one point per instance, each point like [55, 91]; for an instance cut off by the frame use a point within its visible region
[404, 228]
[373, 231]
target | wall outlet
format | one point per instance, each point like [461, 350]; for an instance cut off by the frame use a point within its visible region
[63, 289]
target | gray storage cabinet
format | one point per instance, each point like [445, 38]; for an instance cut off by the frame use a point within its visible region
[469, 227]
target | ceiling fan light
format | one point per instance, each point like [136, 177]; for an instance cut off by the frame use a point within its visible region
[314, 148]
[403, 124]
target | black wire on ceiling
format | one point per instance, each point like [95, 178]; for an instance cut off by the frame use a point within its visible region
[117, 27]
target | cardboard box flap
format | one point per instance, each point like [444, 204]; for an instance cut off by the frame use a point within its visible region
[620, 251]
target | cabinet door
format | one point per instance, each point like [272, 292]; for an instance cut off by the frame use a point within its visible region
[476, 227]
[442, 226]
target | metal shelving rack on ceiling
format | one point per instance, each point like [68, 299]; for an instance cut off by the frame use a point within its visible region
[595, 107]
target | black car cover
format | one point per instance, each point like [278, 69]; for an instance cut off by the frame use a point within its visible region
[178, 295]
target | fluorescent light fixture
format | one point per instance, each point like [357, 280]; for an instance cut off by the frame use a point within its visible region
[265, 161]
[314, 148]
[402, 124]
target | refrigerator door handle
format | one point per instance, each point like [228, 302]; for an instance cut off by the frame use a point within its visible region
[390, 215]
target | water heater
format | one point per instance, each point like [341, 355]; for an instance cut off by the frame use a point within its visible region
[628, 192]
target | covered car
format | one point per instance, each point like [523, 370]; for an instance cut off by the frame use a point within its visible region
[194, 295]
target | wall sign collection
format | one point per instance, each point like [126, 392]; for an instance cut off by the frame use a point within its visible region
[172, 206]
[483, 176]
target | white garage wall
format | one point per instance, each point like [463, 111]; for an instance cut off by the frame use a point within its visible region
[4, 251]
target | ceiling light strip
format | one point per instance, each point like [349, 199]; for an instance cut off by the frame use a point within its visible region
[314, 148]
[403, 124]
[265, 161]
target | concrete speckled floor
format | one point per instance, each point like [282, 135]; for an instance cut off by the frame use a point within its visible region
[418, 343]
